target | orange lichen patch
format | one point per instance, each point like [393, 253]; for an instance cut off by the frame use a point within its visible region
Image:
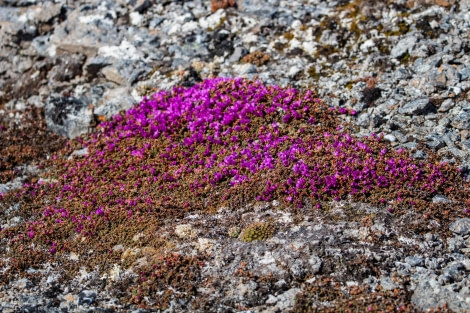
[222, 4]
[257, 58]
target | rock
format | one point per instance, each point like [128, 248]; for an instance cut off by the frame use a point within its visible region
[424, 297]
[440, 199]
[414, 260]
[461, 121]
[94, 65]
[464, 73]
[329, 37]
[185, 231]
[402, 73]
[68, 116]
[435, 141]
[126, 72]
[415, 107]
[125, 51]
[243, 69]
[450, 138]
[205, 245]
[136, 19]
[460, 226]
[466, 144]
[390, 138]
[367, 45]
[139, 5]
[420, 155]
[156, 21]
[297, 269]
[403, 269]
[432, 263]
[212, 21]
[114, 101]
[86, 297]
[446, 105]
[23, 283]
[315, 263]
[90, 33]
[192, 50]
[238, 53]
[67, 66]
[48, 11]
[404, 46]
[260, 8]
[453, 272]
[293, 71]
[439, 80]
[42, 45]
[286, 300]
[222, 43]
[18, 3]
[425, 65]
[364, 120]
[387, 283]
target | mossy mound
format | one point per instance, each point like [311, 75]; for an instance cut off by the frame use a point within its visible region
[258, 231]
[221, 143]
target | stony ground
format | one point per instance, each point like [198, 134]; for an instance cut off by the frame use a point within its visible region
[402, 66]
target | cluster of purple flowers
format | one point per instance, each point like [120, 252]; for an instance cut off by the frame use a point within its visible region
[225, 133]
[218, 119]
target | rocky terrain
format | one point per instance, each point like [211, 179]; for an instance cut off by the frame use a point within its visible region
[400, 68]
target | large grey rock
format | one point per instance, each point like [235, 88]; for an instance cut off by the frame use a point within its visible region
[126, 72]
[262, 8]
[414, 260]
[139, 5]
[464, 73]
[425, 65]
[461, 121]
[67, 67]
[415, 107]
[14, 28]
[94, 65]
[48, 11]
[446, 105]
[466, 144]
[435, 141]
[68, 116]
[86, 297]
[460, 226]
[11, 185]
[86, 33]
[440, 199]
[18, 3]
[429, 293]
[238, 53]
[286, 300]
[444, 76]
[404, 46]
[244, 69]
[42, 45]
[114, 101]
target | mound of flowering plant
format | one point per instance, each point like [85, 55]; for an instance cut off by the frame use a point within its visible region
[221, 143]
